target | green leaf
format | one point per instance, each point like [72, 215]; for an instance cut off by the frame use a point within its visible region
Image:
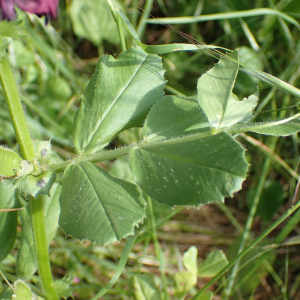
[282, 127]
[184, 281]
[98, 207]
[214, 263]
[184, 117]
[189, 171]
[57, 88]
[6, 294]
[93, 20]
[114, 99]
[12, 29]
[44, 154]
[62, 286]
[22, 291]
[36, 185]
[120, 169]
[144, 288]
[10, 161]
[208, 295]
[23, 56]
[221, 106]
[9, 29]
[190, 259]
[26, 264]
[8, 220]
[270, 200]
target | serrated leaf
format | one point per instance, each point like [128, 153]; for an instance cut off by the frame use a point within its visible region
[25, 168]
[12, 29]
[26, 264]
[10, 161]
[114, 99]
[144, 288]
[8, 220]
[35, 185]
[221, 106]
[98, 207]
[44, 153]
[282, 127]
[183, 114]
[187, 171]
[214, 263]
[22, 291]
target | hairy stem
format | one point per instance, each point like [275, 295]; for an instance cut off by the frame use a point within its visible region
[36, 208]
[12, 97]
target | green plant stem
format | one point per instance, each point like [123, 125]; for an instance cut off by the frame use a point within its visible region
[36, 208]
[13, 100]
[229, 15]
[158, 249]
[145, 15]
[107, 155]
[12, 97]
[121, 33]
[247, 249]
[112, 154]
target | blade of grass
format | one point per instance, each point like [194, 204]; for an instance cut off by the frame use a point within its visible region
[229, 15]
[270, 153]
[210, 50]
[121, 265]
[248, 248]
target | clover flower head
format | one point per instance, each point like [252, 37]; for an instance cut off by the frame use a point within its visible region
[38, 7]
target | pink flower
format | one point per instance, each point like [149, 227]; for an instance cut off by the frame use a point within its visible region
[38, 7]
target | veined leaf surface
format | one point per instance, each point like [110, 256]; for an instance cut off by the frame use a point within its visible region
[98, 207]
[184, 117]
[221, 106]
[190, 172]
[119, 96]
[186, 165]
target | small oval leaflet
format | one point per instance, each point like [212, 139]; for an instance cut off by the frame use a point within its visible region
[10, 161]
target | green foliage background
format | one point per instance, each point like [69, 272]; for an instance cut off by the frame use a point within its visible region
[53, 65]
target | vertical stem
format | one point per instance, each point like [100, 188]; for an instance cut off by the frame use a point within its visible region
[119, 24]
[12, 97]
[121, 33]
[36, 208]
[145, 15]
